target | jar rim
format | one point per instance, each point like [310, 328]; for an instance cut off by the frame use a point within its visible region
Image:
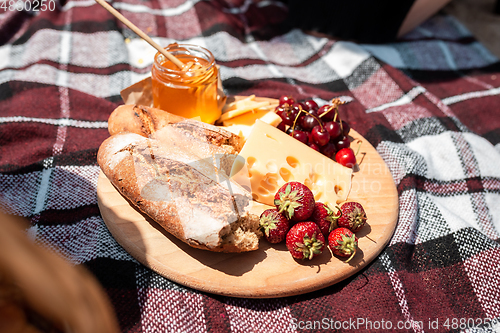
[185, 49]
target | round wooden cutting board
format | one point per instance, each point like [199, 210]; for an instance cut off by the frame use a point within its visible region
[270, 271]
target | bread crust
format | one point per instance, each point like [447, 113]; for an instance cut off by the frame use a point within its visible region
[146, 121]
[184, 194]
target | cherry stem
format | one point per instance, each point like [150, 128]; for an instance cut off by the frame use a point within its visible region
[359, 147]
[329, 109]
[295, 120]
[319, 121]
[335, 104]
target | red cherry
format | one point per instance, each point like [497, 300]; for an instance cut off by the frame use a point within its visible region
[287, 118]
[345, 127]
[295, 110]
[310, 105]
[329, 150]
[311, 140]
[301, 136]
[299, 105]
[280, 111]
[309, 122]
[281, 126]
[314, 112]
[343, 143]
[300, 120]
[286, 99]
[325, 113]
[320, 135]
[297, 128]
[333, 129]
[314, 146]
[346, 157]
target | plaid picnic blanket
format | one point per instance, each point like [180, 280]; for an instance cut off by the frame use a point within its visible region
[429, 104]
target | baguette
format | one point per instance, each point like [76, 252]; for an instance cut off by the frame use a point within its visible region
[146, 121]
[188, 195]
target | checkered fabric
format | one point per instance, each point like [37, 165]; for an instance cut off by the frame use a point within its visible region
[429, 104]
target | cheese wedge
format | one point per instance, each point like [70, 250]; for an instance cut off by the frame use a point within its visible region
[270, 158]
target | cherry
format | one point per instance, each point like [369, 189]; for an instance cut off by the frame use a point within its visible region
[309, 122]
[302, 115]
[291, 129]
[333, 129]
[295, 110]
[287, 118]
[310, 138]
[299, 105]
[343, 143]
[286, 99]
[314, 112]
[301, 136]
[320, 135]
[310, 105]
[314, 146]
[325, 113]
[329, 150]
[346, 157]
[281, 126]
[280, 111]
[345, 128]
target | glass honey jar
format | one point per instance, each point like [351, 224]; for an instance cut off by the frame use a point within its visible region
[190, 92]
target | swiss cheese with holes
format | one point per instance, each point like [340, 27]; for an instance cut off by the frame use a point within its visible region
[270, 158]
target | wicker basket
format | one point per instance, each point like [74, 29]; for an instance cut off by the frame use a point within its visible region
[40, 292]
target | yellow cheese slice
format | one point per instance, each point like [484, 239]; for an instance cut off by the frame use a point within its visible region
[270, 158]
[242, 125]
[240, 111]
[267, 116]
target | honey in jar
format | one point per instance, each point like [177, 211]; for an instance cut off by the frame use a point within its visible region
[190, 92]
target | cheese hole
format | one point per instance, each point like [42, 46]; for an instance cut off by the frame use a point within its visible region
[292, 161]
[263, 190]
[250, 161]
[338, 189]
[270, 182]
[285, 174]
[318, 195]
[270, 137]
[308, 183]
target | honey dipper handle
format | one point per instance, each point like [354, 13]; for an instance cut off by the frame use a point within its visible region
[139, 32]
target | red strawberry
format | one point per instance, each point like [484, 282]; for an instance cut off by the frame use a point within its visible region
[274, 225]
[325, 218]
[295, 200]
[353, 216]
[305, 241]
[343, 243]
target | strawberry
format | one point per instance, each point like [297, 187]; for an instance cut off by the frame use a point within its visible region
[343, 243]
[274, 225]
[295, 200]
[305, 241]
[353, 216]
[325, 218]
